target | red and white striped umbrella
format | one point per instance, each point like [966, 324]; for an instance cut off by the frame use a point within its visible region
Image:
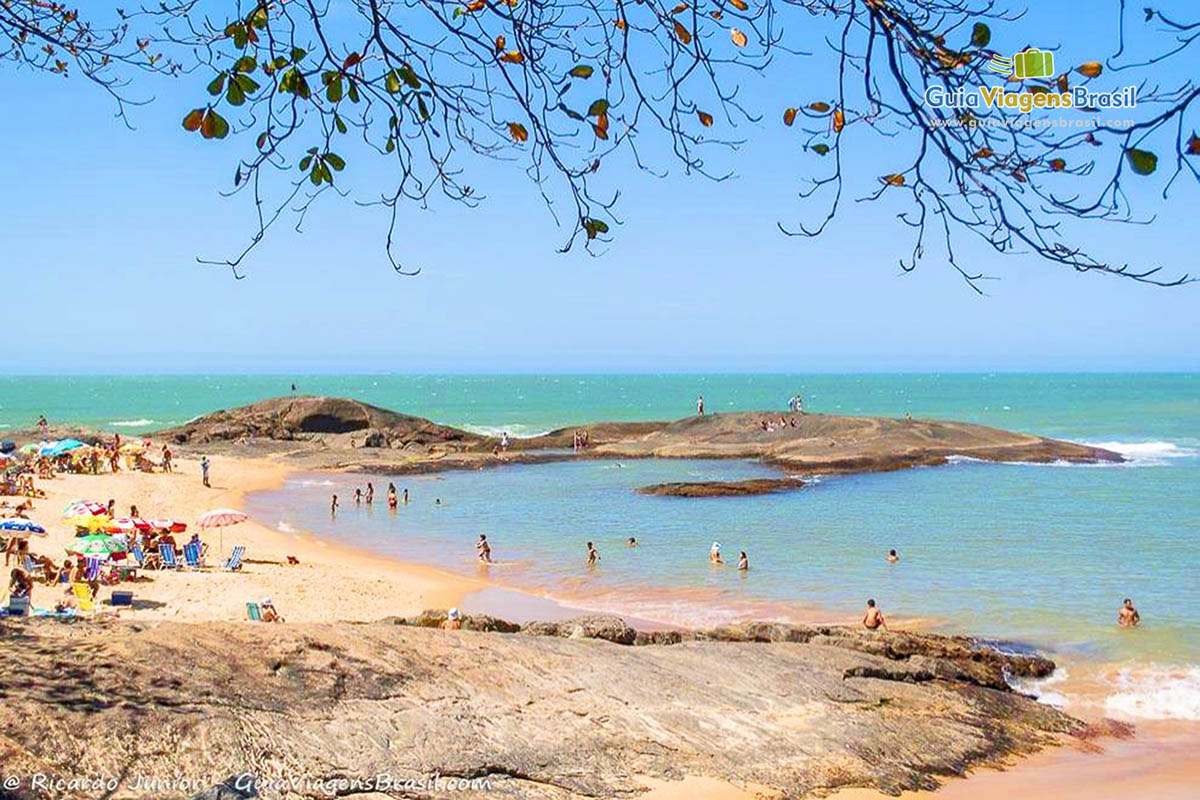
[221, 518]
[166, 524]
[129, 524]
[85, 508]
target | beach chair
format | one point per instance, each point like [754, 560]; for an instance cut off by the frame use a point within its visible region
[167, 553]
[191, 554]
[32, 568]
[235, 558]
[19, 606]
[139, 554]
[91, 568]
[253, 612]
[83, 596]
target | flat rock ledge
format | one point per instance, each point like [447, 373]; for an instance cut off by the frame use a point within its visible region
[744, 488]
[582, 708]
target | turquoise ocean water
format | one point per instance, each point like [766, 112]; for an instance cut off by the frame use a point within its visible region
[1036, 554]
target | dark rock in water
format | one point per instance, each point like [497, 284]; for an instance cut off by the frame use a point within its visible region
[723, 488]
[434, 618]
[611, 629]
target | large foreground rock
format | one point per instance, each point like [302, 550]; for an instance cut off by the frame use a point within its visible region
[544, 713]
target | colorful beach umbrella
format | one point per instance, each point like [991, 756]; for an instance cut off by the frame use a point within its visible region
[97, 544]
[221, 518]
[61, 446]
[90, 522]
[128, 525]
[84, 508]
[21, 528]
[167, 524]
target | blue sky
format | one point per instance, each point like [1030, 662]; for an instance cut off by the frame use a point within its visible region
[102, 226]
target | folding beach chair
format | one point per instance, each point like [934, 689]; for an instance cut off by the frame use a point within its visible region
[191, 554]
[91, 569]
[167, 553]
[29, 566]
[138, 553]
[253, 612]
[235, 558]
[83, 596]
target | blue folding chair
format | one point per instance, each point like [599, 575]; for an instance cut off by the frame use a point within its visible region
[235, 558]
[167, 553]
[191, 554]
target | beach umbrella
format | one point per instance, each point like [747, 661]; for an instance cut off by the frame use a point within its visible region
[166, 524]
[85, 508]
[21, 528]
[133, 448]
[221, 518]
[61, 446]
[97, 545]
[128, 525]
[91, 522]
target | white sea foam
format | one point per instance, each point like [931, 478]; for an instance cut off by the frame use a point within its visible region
[133, 423]
[515, 431]
[1042, 689]
[283, 527]
[1149, 454]
[306, 482]
[1156, 692]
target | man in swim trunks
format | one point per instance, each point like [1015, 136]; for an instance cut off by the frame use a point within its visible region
[873, 619]
[593, 555]
[1128, 616]
[484, 549]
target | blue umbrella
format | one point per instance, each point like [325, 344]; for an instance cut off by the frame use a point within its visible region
[62, 446]
[19, 526]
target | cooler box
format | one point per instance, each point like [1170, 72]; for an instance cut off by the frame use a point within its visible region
[122, 598]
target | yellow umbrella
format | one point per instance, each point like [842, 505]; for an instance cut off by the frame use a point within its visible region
[133, 448]
[91, 522]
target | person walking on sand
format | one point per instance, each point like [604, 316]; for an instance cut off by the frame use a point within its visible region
[700, 406]
[483, 549]
[714, 553]
[166, 458]
[1128, 616]
[333, 506]
[370, 496]
[204, 462]
[593, 555]
[743, 561]
[873, 619]
[892, 558]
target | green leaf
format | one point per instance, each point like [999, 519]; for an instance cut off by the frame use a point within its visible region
[594, 227]
[424, 109]
[334, 92]
[581, 71]
[980, 35]
[220, 128]
[298, 54]
[335, 161]
[237, 177]
[235, 95]
[392, 82]
[315, 175]
[1143, 162]
[240, 37]
[248, 84]
[820, 149]
[305, 162]
[391, 144]
[352, 92]
[597, 108]
[410, 77]
[217, 86]
[339, 123]
[245, 64]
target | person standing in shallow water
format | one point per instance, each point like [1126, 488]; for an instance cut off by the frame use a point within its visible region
[391, 495]
[1128, 616]
[743, 561]
[593, 555]
[370, 496]
[333, 506]
[483, 549]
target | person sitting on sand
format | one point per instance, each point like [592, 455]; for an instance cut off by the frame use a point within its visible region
[873, 619]
[1128, 616]
[391, 495]
[453, 621]
[64, 574]
[743, 561]
[20, 584]
[632, 542]
[714, 553]
[267, 609]
[593, 555]
[892, 558]
[483, 549]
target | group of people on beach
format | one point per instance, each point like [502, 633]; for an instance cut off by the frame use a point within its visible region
[394, 498]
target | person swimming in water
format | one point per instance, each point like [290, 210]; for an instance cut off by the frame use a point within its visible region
[714, 553]
[593, 555]
[1128, 616]
[743, 561]
[873, 619]
[892, 557]
[631, 542]
[483, 549]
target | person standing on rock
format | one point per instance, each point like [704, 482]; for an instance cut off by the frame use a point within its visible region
[593, 555]
[204, 470]
[700, 406]
[873, 619]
